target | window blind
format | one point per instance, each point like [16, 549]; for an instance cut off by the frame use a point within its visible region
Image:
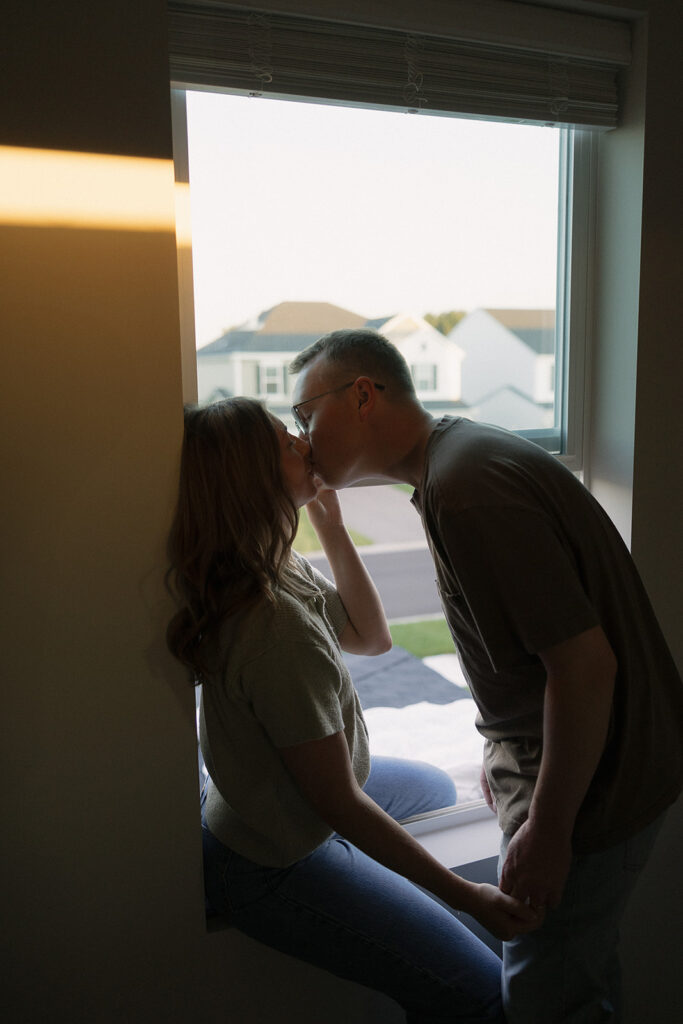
[564, 73]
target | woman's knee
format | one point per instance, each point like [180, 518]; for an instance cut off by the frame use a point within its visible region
[404, 788]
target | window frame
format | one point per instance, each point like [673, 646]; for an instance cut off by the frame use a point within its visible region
[577, 187]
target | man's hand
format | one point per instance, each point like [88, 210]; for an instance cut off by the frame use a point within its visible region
[486, 790]
[536, 866]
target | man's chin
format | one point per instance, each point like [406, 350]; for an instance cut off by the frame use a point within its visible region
[332, 481]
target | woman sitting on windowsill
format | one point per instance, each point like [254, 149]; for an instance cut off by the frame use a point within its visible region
[299, 849]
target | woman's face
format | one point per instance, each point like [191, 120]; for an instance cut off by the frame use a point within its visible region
[295, 460]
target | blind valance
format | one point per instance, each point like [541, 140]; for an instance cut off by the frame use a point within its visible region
[551, 76]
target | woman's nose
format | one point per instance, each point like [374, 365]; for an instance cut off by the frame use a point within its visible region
[303, 445]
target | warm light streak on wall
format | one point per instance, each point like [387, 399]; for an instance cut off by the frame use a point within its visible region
[183, 225]
[50, 188]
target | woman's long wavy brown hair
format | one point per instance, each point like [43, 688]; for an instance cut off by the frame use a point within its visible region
[234, 524]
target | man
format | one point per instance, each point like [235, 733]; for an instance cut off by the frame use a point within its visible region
[578, 697]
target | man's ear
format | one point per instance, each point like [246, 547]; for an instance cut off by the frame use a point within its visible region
[365, 394]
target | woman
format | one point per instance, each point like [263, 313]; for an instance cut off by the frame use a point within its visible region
[296, 849]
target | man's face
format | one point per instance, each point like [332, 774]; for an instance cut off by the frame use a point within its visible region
[324, 404]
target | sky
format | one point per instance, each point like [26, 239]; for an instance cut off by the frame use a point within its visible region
[379, 212]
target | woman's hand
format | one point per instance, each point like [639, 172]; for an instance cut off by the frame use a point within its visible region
[502, 915]
[323, 772]
[325, 510]
[366, 631]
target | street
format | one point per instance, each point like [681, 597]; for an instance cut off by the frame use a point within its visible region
[404, 576]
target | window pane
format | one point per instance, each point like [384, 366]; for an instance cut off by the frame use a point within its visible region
[441, 232]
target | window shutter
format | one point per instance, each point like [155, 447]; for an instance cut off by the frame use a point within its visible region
[489, 59]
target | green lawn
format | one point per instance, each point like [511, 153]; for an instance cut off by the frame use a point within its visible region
[431, 636]
[307, 539]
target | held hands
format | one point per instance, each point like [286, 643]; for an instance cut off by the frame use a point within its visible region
[536, 865]
[503, 915]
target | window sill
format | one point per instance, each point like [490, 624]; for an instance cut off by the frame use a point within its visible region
[457, 835]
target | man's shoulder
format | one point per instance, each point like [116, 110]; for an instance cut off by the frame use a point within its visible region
[462, 450]
[470, 464]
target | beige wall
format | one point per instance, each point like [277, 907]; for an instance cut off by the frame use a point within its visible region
[101, 864]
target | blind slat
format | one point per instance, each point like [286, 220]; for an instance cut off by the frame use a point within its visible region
[278, 55]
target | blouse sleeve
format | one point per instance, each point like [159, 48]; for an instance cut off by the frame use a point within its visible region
[294, 694]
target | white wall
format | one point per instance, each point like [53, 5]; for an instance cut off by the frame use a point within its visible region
[101, 872]
[217, 371]
[419, 342]
[494, 358]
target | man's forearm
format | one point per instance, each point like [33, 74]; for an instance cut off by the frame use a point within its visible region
[577, 708]
[575, 727]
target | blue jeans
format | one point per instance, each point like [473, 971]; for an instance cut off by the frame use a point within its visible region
[344, 912]
[567, 972]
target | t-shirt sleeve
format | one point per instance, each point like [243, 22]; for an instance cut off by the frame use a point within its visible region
[519, 581]
[294, 693]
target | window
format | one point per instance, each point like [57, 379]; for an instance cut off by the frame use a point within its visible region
[441, 233]
[424, 376]
[271, 380]
[525, 343]
[292, 200]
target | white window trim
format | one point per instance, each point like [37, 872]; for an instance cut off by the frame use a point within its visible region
[575, 262]
[573, 318]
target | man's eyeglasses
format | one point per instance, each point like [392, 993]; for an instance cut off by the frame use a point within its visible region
[302, 426]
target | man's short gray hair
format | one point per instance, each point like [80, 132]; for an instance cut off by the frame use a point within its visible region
[361, 352]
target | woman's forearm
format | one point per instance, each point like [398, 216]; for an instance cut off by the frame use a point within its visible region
[323, 773]
[369, 633]
[374, 832]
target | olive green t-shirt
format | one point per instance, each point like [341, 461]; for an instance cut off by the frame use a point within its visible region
[282, 681]
[525, 559]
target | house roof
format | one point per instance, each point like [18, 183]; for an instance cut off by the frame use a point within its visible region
[255, 341]
[535, 327]
[287, 327]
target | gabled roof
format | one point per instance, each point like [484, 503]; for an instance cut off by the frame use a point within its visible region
[511, 389]
[535, 327]
[255, 341]
[287, 327]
